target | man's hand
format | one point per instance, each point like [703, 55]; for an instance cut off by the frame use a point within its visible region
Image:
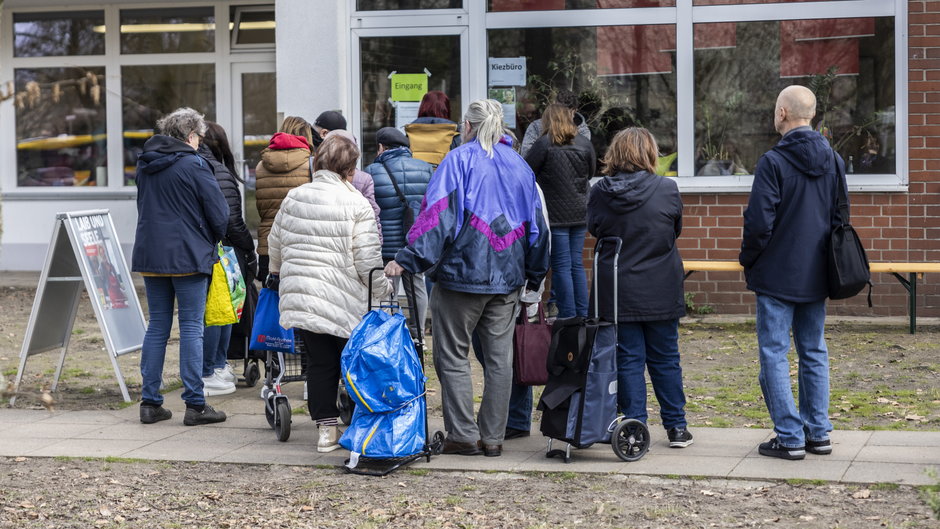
[393, 269]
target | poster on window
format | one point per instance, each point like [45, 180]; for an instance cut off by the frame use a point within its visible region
[507, 97]
[405, 113]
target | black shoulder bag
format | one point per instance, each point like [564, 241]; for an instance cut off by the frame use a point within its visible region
[848, 263]
[408, 215]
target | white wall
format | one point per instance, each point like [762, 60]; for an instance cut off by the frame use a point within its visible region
[312, 57]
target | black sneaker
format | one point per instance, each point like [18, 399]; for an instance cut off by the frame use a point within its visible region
[208, 415]
[152, 414]
[773, 448]
[679, 437]
[515, 433]
[820, 448]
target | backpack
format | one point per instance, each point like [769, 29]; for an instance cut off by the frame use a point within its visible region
[430, 141]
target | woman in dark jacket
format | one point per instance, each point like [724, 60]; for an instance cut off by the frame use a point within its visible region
[181, 217]
[218, 378]
[563, 162]
[645, 211]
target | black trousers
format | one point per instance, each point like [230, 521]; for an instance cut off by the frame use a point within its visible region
[323, 353]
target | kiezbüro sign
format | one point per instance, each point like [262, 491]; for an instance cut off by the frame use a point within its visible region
[507, 71]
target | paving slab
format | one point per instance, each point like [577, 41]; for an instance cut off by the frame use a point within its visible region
[13, 447]
[903, 473]
[45, 430]
[173, 449]
[83, 417]
[132, 431]
[89, 448]
[892, 454]
[905, 439]
[813, 467]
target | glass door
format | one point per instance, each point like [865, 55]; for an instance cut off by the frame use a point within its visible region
[393, 69]
[254, 121]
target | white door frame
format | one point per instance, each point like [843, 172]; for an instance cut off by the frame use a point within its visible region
[466, 93]
[235, 127]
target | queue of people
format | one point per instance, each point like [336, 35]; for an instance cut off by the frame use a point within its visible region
[486, 224]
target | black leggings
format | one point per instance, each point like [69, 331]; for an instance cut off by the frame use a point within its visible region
[323, 354]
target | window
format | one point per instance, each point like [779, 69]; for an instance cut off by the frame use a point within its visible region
[741, 67]
[178, 30]
[545, 5]
[621, 76]
[150, 92]
[739, 2]
[61, 138]
[382, 5]
[56, 34]
[252, 26]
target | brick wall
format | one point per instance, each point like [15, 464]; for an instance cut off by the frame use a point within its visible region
[894, 226]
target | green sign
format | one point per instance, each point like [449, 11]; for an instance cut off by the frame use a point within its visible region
[409, 86]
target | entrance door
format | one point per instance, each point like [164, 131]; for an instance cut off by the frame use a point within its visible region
[439, 53]
[254, 121]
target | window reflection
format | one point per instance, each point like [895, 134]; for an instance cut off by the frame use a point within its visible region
[179, 30]
[252, 25]
[155, 90]
[741, 67]
[54, 34]
[380, 5]
[739, 2]
[60, 127]
[550, 5]
[622, 76]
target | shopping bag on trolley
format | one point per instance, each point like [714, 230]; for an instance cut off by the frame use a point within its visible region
[266, 331]
[380, 364]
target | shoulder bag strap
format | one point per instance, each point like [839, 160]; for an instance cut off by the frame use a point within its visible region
[842, 201]
[310, 164]
[401, 196]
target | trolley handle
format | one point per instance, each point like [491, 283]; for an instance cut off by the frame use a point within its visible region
[371, 279]
[618, 244]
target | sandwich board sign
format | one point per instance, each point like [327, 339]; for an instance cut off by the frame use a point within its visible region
[84, 254]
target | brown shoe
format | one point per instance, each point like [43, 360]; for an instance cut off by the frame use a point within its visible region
[462, 449]
[492, 450]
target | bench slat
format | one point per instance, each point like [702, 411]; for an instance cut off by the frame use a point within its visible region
[733, 266]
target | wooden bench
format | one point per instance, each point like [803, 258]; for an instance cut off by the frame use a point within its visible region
[913, 271]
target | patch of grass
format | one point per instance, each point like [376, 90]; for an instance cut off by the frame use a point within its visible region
[453, 500]
[884, 486]
[87, 390]
[931, 494]
[325, 467]
[9, 372]
[560, 476]
[74, 372]
[797, 482]
[172, 386]
[122, 405]
[419, 471]
[300, 410]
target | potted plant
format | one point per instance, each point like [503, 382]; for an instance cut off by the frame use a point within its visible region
[714, 157]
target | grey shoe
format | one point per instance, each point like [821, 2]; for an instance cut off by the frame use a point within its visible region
[208, 415]
[152, 414]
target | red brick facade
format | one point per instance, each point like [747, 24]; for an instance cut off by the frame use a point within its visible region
[901, 227]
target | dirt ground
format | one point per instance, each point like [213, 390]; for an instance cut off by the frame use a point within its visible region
[59, 493]
[882, 378]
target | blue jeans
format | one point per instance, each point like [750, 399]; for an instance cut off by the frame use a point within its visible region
[520, 397]
[775, 318]
[190, 292]
[653, 346]
[569, 284]
[215, 340]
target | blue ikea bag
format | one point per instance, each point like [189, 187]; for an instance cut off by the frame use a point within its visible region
[380, 364]
[266, 331]
[388, 435]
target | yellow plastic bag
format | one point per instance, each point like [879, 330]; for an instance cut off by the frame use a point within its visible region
[226, 296]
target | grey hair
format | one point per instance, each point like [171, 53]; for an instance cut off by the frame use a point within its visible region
[486, 123]
[181, 123]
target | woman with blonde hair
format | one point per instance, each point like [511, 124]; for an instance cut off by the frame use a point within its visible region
[645, 211]
[481, 237]
[323, 244]
[284, 165]
[564, 162]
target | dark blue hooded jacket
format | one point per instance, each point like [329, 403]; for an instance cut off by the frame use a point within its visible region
[181, 212]
[412, 176]
[789, 217]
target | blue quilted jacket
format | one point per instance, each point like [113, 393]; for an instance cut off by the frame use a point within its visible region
[412, 176]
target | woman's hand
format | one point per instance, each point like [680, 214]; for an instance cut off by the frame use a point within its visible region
[393, 269]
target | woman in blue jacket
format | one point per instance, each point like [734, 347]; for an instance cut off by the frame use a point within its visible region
[181, 217]
[644, 210]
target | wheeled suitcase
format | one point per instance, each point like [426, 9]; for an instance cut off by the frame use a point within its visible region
[579, 403]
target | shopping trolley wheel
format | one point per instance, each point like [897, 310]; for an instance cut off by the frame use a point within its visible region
[269, 408]
[437, 443]
[345, 405]
[252, 374]
[282, 419]
[630, 440]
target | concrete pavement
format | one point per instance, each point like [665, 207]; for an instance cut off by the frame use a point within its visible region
[858, 456]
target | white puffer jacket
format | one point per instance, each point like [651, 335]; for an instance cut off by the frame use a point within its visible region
[323, 243]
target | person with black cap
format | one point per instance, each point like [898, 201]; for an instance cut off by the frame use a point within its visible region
[400, 181]
[327, 121]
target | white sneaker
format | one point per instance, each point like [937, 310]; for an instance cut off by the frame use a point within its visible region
[226, 374]
[329, 439]
[214, 385]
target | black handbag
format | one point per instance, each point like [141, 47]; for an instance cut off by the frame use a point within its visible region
[848, 263]
[408, 215]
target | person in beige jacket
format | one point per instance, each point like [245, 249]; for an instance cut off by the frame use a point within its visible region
[323, 245]
[284, 165]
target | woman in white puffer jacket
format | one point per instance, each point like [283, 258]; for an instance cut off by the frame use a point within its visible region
[323, 244]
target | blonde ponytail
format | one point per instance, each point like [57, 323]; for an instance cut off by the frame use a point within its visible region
[486, 123]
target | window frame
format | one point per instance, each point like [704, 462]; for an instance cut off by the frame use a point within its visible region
[112, 60]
